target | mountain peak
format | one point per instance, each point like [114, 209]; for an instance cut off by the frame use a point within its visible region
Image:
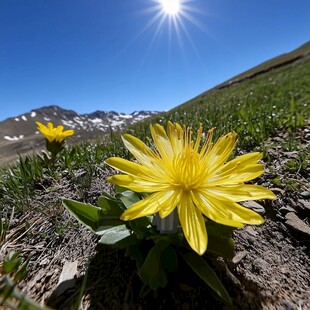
[19, 135]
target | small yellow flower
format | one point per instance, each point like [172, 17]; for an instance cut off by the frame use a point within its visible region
[195, 179]
[54, 134]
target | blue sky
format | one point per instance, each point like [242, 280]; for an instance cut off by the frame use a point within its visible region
[127, 55]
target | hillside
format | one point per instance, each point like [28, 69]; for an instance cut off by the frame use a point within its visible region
[269, 108]
[300, 54]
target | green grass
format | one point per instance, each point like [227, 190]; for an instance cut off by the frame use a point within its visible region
[257, 108]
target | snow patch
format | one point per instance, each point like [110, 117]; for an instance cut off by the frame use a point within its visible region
[68, 123]
[33, 114]
[17, 119]
[24, 118]
[96, 120]
[125, 116]
[14, 138]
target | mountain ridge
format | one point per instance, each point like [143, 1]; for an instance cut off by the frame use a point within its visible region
[19, 134]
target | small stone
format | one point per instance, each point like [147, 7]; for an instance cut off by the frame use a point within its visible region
[305, 194]
[253, 205]
[66, 280]
[277, 190]
[286, 209]
[305, 204]
[296, 223]
[239, 256]
[44, 262]
[250, 230]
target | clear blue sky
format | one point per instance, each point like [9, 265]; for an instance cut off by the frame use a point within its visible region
[122, 55]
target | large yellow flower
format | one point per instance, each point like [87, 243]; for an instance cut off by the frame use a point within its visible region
[52, 133]
[194, 178]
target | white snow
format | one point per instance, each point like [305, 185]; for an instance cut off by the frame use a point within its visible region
[125, 115]
[47, 119]
[15, 138]
[68, 123]
[116, 123]
[24, 118]
[33, 114]
[17, 119]
[96, 120]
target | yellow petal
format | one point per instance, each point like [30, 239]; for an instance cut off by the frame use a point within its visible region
[50, 126]
[220, 152]
[242, 192]
[137, 185]
[235, 211]
[239, 170]
[193, 224]
[217, 212]
[148, 206]
[162, 142]
[126, 166]
[170, 204]
[63, 135]
[175, 134]
[139, 150]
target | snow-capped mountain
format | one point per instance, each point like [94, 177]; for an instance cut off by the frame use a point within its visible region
[19, 135]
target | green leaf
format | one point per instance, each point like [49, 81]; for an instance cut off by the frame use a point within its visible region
[152, 271]
[11, 262]
[128, 198]
[219, 239]
[141, 227]
[113, 235]
[110, 205]
[224, 247]
[22, 271]
[218, 229]
[127, 242]
[207, 274]
[119, 189]
[87, 214]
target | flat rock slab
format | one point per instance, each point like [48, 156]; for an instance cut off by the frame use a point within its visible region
[296, 223]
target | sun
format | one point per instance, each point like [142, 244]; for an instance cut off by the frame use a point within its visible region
[170, 7]
[170, 19]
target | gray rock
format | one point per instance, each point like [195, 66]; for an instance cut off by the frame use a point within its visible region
[305, 204]
[305, 194]
[296, 223]
[285, 209]
[253, 205]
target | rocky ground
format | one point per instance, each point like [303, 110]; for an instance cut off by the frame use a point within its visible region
[271, 269]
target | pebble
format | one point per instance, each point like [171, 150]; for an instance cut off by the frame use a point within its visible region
[285, 209]
[296, 223]
[253, 205]
[239, 256]
[305, 194]
[277, 190]
[305, 204]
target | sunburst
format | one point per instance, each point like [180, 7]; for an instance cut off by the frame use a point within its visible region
[172, 16]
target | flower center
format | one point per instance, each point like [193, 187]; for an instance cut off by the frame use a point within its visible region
[186, 170]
